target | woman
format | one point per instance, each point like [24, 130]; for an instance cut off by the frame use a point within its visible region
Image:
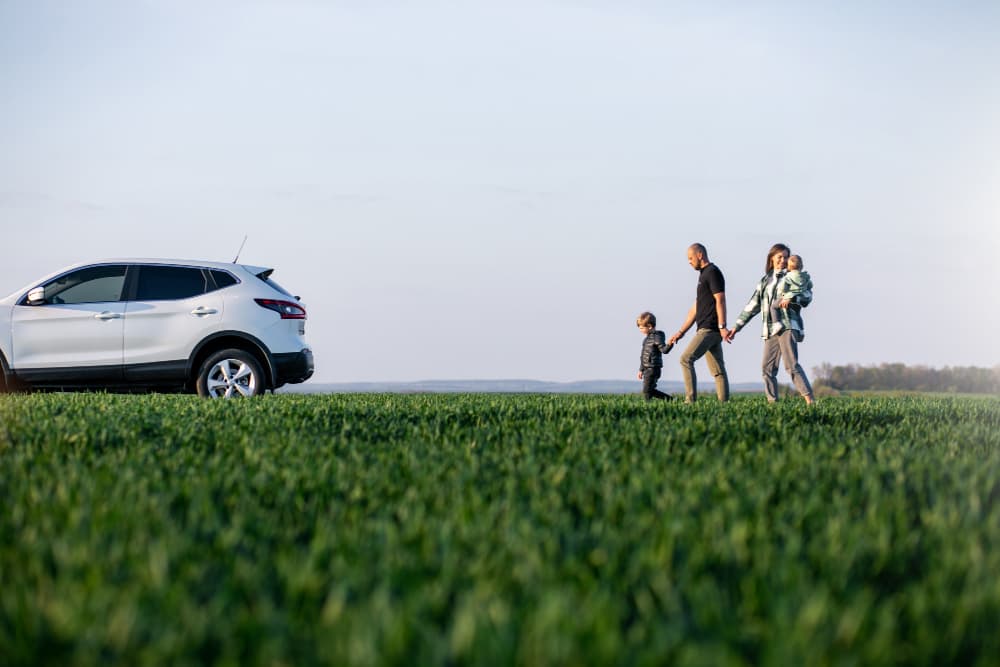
[780, 339]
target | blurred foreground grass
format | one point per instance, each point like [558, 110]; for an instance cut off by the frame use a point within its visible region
[498, 529]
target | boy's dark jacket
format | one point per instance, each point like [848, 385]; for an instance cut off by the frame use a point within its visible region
[654, 346]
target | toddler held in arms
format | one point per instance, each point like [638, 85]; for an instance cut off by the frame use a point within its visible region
[795, 282]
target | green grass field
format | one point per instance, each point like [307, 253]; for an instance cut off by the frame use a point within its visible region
[498, 529]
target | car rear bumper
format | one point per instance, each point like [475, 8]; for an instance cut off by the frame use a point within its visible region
[293, 367]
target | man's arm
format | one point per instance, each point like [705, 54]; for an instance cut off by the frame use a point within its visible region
[688, 321]
[720, 311]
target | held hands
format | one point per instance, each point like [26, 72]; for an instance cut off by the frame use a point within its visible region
[728, 335]
[676, 337]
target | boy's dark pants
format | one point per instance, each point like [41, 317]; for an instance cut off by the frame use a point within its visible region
[649, 379]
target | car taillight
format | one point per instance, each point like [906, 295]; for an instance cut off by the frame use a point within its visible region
[287, 309]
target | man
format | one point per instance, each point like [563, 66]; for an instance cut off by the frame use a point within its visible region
[709, 312]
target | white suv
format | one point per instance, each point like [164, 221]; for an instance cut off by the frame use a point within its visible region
[139, 324]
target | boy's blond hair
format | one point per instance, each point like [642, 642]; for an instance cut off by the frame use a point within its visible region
[795, 260]
[646, 318]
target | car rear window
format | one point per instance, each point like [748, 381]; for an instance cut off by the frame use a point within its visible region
[266, 278]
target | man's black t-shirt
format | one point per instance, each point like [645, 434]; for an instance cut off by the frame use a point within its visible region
[710, 282]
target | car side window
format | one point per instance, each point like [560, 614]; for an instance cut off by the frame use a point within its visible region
[165, 283]
[94, 284]
[223, 279]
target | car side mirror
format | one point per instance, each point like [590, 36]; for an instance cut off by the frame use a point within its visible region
[36, 297]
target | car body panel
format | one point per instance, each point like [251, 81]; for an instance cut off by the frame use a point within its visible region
[40, 335]
[169, 330]
[134, 343]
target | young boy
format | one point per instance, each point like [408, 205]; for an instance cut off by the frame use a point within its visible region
[794, 283]
[654, 346]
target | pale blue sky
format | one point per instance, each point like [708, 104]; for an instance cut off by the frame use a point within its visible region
[497, 189]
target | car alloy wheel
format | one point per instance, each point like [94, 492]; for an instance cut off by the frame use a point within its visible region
[230, 374]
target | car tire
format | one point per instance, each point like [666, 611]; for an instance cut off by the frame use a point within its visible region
[6, 386]
[230, 373]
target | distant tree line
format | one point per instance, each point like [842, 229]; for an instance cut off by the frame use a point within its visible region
[900, 377]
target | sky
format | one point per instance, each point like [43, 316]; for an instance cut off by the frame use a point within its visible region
[495, 190]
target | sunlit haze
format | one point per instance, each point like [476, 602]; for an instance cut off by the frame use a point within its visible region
[488, 190]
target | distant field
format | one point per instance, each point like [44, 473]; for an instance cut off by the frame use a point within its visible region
[369, 529]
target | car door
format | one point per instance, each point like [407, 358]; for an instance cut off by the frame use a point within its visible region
[173, 308]
[74, 335]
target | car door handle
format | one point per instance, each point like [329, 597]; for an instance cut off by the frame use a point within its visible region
[107, 315]
[204, 311]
